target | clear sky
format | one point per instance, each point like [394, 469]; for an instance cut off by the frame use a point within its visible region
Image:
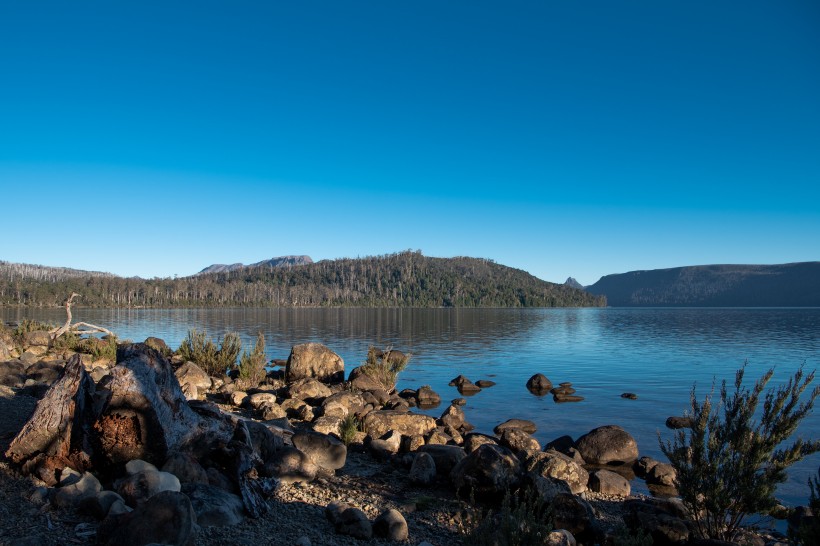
[565, 138]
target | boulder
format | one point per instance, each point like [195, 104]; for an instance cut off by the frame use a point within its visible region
[378, 423]
[539, 383]
[574, 514]
[561, 537]
[259, 399]
[629, 396]
[608, 444]
[485, 383]
[12, 373]
[454, 417]
[552, 464]
[386, 446]
[316, 361]
[214, 507]
[141, 486]
[308, 388]
[423, 470]
[269, 412]
[488, 472]
[563, 390]
[45, 372]
[609, 483]
[663, 520]
[238, 398]
[37, 338]
[186, 468]
[353, 522]
[266, 440]
[464, 385]
[291, 466]
[159, 345]
[427, 397]
[474, 440]
[166, 518]
[518, 440]
[326, 425]
[324, 450]
[391, 525]
[675, 422]
[192, 374]
[662, 474]
[523, 424]
[76, 491]
[100, 504]
[342, 404]
[446, 457]
[360, 380]
[643, 465]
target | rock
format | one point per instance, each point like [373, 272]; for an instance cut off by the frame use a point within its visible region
[552, 464]
[643, 465]
[607, 444]
[269, 412]
[220, 480]
[518, 440]
[266, 440]
[186, 468]
[316, 361]
[333, 511]
[259, 399]
[166, 518]
[524, 424]
[473, 440]
[391, 525]
[563, 390]
[45, 372]
[548, 488]
[324, 450]
[76, 492]
[662, 474]
[141, 486]
[488, 472]
[453, 417]
[192, 374]
[135, 466]
[561, 398]
[326, 425]
[158, 344]
[423, 470]
[291, 466]
[539, 383]
[675, 423]
[561, 537]
[379, 423]
[438, 437]
[446, 457]
[12, 373]
[353, 522]
[609, 483]
[459, 401]
[342, 404]
[562, 444]
[214, 507]
[238, 398]
[386, 446]
[485, 383]
[308, 388]
[360, 380]
[37, 338]
[574, 514]
[464, 385]
[662, 520]
[100, 504]
[427, 397]
[629, 396]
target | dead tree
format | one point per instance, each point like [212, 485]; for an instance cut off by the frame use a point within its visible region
[68, 327]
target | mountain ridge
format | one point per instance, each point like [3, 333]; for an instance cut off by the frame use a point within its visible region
[279, 261]
[794, 284]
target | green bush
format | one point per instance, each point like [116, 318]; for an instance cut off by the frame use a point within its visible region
[348, 428]
[523, 520]
[215, 360]
[730, 463]
[383, 367]
[252, 365]
[27, 326]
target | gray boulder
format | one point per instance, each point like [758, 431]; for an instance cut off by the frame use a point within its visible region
[518, 440]
[523, 424]
[609, 483]
[290, 465]
[353, 522]
[539, 384]
[608, 444]
[662, 474]
[488, 472]
[552, 464]
[378, 423]
[391, 525]
[191, 374]
[141, 486]
[75, 492]
[308, 388]
[214, 507]
[186, 468]
[166, 518]
[316, 361]
[446, 457]
[324, 450]
[423, 469]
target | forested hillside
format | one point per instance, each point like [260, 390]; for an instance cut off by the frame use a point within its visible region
[406, 279]
[786, 285]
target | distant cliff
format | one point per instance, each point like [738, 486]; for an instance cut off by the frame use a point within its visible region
[281, 261]
[785, 285]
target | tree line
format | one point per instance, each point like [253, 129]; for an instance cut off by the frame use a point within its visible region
[405, 279]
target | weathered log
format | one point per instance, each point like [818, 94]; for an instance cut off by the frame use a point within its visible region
[58, 433]
[144, 415]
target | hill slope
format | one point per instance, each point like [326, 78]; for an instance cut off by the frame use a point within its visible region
[406, 279]
[785, 285]
[281, 261]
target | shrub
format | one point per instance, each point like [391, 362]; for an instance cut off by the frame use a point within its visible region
[252, 365]
[729, 464]
[384, 367]
[348, 428]
[522, 520]
[199, 348]
[27, 326]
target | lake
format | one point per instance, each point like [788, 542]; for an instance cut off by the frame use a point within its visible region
[656, 353]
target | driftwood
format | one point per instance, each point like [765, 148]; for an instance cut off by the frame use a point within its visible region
[57, 434]
[138, 411]
[68, 327]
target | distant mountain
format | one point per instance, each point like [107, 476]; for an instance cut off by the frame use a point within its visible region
[281, 261]
[573, 283]
[785, 285]
[404, 279]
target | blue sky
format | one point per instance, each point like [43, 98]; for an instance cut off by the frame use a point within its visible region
[563, 138]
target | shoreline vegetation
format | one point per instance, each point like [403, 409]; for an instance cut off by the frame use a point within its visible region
[134, 443]
[405, 279]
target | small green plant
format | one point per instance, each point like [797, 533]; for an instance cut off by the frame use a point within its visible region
[809, 531]
[522, 520]
[384, 366]
[213, 359]
[730, 463]
[68, 341]
[348, 428]
[27, 326]
[252, 365]
[636, 537]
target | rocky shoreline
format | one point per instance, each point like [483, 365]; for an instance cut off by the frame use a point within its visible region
[151, 436]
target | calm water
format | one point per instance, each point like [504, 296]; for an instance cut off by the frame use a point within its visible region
[656, 353]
